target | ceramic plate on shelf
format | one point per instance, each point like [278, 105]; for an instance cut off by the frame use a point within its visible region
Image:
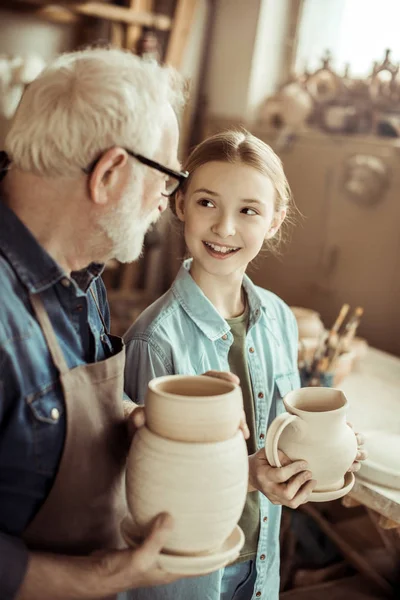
[191, 565]
[382, 466]
[349, 480]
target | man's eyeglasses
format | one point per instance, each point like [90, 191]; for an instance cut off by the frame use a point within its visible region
[172, 184]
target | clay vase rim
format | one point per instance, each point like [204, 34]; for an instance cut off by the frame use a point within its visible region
[317, 391]
[156, 386]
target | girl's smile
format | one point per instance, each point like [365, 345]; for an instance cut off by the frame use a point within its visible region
[220, 252]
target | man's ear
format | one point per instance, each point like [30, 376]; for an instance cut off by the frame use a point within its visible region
[279, 217]
[105, 174]
[180, 206]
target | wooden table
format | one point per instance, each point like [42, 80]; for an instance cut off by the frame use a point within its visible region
[373, 392]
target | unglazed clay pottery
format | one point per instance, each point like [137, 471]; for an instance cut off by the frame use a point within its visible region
[202, 485]
[343, 367]
[315, 430]
[193, 408]
[349, 480]
[382, 466]
[192, 565]
[308, 322]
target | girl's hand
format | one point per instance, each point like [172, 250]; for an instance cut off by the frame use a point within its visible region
[362, 454]
[289, 485]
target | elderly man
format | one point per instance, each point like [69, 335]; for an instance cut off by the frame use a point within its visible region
[89, 160]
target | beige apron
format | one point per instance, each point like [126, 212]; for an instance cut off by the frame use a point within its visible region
[86, 503]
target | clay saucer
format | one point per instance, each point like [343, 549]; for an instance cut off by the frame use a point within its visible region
[349, 480]
[191, 565]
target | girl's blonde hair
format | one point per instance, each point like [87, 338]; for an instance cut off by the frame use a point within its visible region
[240, 146]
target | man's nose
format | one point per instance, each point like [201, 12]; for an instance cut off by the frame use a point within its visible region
[163, 204]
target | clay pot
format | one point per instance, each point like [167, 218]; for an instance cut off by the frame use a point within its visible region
[202, 485]
[315, 429]
[193, 408]
[343, 367]
[308, 322]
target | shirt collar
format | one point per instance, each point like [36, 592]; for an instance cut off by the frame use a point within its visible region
[34, 266]
[203, 312]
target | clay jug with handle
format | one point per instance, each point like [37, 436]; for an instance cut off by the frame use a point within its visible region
[314, 429]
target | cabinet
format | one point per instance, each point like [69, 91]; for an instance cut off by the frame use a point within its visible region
[340, 250]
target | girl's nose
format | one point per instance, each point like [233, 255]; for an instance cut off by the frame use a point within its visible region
[224, 227]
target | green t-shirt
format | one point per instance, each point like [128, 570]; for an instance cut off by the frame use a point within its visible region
[250, 519]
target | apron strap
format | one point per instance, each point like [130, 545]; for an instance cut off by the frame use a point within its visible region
[49, 335]
[98, 310]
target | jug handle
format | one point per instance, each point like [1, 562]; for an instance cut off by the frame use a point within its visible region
[273, 434]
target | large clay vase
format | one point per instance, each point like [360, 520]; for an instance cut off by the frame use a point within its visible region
[202, 481]
[314, 429]
[203, 487]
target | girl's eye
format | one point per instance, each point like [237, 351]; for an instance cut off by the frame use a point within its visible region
[205, 202]
[249, 211]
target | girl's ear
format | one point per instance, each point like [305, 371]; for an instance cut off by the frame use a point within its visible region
[277, 221]
[180, 206]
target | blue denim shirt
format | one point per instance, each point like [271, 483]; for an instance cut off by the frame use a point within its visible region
[31, 432]
[183, 333]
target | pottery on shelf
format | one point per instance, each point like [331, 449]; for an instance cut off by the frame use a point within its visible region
[314, 429]
[308, 322]
[190, 460]
[193, 408]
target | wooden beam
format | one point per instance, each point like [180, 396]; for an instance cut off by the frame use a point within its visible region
[134, 32]
[181, 25]
[110, 12]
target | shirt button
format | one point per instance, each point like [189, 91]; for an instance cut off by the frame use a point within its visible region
[260, 395]
[55, 414]
[224, 337]
[79, 308]
[258, 594]
[65, 282]
[265, 519]
[262, 557]
[251, 350]
[262, 436]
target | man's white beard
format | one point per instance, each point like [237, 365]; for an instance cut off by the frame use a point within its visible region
[126, 227]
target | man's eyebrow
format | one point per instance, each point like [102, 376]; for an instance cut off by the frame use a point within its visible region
[205, 191]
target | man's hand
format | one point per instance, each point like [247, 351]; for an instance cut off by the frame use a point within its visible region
[101, 575]
[362, 454]
[289, 485]
[129, 569]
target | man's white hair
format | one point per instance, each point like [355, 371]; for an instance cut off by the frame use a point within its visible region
[87, 102]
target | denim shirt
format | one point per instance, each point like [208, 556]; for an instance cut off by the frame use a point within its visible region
[182, 333]
[32, 416]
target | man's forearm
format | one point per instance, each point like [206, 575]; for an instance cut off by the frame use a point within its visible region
[53, 577]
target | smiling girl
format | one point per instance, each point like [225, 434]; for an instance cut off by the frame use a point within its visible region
[214, 318]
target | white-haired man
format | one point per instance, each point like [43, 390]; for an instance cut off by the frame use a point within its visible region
[89, 161]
